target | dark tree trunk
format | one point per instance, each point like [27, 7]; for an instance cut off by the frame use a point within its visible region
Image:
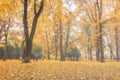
[117, 44]
[112, 56]
[56, 52]
[6, 42]
[48, 49]
[22, 50]
[5, 49]
[55, 29]
[61, 42]
[27, 52]
[89, 45]
[101, 45]
[117, 32]
[56, 45]
[97, 50]
[67, 37]
[99, 3]
[6, 29]
[90, 52]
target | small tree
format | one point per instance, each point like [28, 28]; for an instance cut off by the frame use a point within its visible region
[74, 54]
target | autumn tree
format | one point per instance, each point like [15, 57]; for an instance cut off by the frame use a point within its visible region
[29, 37]
[7, 16]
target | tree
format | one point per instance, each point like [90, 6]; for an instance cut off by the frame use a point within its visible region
[6, 16]
[95, 16]
[29, 38]
[117, 32]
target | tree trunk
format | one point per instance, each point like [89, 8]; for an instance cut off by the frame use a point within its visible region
[90, 52]
[21, 50]
[100, 6]
[5, 49]
[61, 42]
[101, 45]
[56, 45]
[55, 29]
[117, 44]
[56, 52]
[67, 37]
[6, 29]
[97, 50]
[89, 45]
[112, 56]
[27, 52]
[48, 49]
[5, 54]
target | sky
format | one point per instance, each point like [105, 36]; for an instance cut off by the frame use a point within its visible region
[70, 5]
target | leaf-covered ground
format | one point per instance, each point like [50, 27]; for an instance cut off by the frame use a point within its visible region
[56, 70]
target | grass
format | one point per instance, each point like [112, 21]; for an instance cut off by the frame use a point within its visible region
[56, 70]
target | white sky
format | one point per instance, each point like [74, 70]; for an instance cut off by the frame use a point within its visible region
[69, 4]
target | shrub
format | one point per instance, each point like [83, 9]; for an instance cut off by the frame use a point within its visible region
[2, 51]
[74, 54]
[36, 51]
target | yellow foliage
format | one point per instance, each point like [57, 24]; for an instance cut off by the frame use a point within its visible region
[8, 7]
[1, 45]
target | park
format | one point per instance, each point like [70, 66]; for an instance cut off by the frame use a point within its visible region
[59, 40]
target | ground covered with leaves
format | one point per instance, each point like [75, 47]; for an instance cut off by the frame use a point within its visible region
[56, 70]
